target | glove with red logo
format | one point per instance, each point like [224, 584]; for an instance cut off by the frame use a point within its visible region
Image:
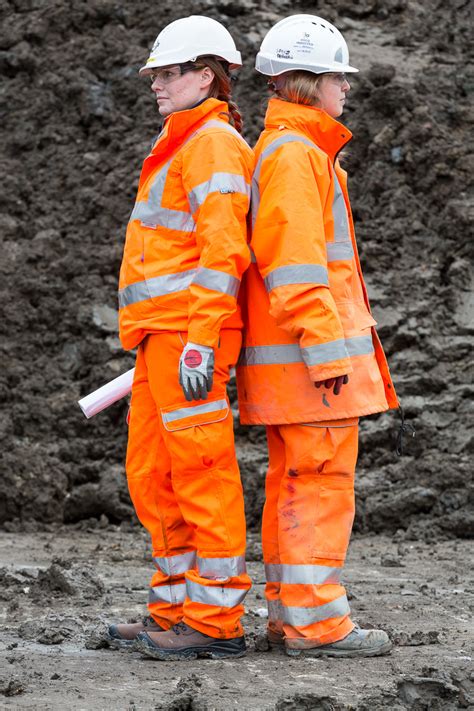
[196, 371]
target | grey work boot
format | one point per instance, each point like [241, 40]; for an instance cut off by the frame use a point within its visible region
[124, 634]
[184, 642]
[358, 643]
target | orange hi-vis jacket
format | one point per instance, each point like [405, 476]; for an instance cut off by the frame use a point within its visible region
[186, 248]
[304, 303]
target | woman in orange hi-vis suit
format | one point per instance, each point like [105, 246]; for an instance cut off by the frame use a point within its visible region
[185, 253]
[311, 362]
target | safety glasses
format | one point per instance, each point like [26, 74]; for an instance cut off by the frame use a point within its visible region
[167, 75]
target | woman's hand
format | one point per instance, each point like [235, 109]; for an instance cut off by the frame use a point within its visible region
[337, 382]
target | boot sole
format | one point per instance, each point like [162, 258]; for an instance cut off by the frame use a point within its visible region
[348, 653]
[164, 655]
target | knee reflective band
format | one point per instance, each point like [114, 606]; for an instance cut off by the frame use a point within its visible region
[108, 394]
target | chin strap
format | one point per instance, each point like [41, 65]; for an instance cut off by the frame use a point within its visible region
[405, 429]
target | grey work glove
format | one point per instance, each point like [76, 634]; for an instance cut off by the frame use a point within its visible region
[196, 371]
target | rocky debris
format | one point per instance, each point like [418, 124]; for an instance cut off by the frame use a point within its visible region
[65, 578]
[390, 560]
[51, 630]
[415, 638]
[308, 702]
[97, 637]
[427, 693]
[11, 686]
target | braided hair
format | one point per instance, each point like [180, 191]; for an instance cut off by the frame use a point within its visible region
[221, 88]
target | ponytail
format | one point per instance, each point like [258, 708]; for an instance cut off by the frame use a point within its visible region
[221, 88]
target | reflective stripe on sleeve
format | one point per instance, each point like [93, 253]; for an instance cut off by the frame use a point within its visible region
[217, 596]
[176, 564]
[302, 574]
[195, 410]
[325, 352]
[217, 281]
[339, 212]
[302, 616]
[292, 353]
[215, 568]
[337, 251]
[221, 183]
[172, 594]
[154, 287]
[296, 274]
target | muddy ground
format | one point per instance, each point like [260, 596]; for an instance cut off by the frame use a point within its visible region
[54, 655]
[75, 124]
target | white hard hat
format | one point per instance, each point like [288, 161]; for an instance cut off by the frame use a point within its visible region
[191, 37]
[303, 42]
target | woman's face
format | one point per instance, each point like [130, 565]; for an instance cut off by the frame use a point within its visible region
[332, 90]
[176, 90]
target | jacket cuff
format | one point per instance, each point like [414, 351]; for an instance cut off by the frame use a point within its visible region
[203, 336]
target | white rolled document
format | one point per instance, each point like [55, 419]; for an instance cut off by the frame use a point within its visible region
[108, 394]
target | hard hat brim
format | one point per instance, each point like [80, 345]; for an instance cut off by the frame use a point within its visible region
[273, 68]
[234, 59]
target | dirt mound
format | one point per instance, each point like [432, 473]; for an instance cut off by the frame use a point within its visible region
[76, 124]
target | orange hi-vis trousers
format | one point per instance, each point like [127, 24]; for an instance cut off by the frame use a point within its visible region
[307, 523]
[185, 485]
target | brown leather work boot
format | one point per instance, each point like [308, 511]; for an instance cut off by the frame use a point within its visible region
[184, 642]
[275, 638]
[124, 634]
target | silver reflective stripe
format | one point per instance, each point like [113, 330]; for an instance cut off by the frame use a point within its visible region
[296, 274]
[196, 410]
[151, 212]
[275, 610]
[337, 251]
[253, 258]
[176, 564]
[302, 574]
[339, 212]
[218, 596]
[302, 616]
[219, 182]
[173, 594]
[291, 353]
[217, 281]
[215, 568]
[359, 345]
[154, 287]
[270, 355]
[325, 352]
[271, 148]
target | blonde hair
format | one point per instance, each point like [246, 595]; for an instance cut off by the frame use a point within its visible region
[221, 87]
[299, 87]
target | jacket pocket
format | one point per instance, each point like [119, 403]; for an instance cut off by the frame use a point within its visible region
[183, 417]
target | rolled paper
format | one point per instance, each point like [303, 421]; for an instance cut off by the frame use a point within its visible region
[109, 393]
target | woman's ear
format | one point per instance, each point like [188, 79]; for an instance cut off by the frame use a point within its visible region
[207, 77]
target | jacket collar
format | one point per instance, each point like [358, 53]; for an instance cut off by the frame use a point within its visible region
[326, 132]
[181, 124]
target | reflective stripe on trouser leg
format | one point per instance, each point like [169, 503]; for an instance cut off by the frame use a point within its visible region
[149, 481]
[206, 484]
[271, 551]
[315, 514]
